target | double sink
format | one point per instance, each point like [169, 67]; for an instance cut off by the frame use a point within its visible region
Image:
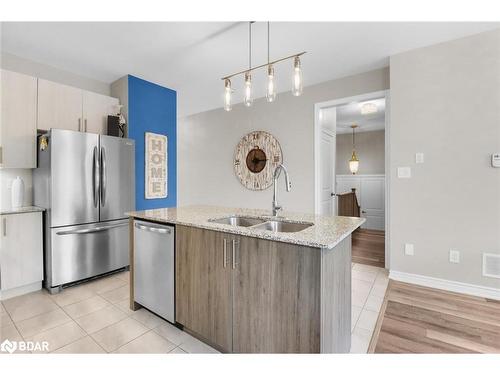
[263, 224]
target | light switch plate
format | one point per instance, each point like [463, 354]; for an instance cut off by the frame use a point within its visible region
[419, 158]
[404, 172]
[495, 160]
[409, 250]
[454, 256]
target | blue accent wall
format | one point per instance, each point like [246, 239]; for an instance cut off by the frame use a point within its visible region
[152, 108]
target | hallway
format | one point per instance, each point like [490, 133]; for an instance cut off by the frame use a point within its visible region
[368, 247]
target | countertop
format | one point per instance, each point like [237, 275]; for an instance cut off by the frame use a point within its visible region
[20, 210]
[326, 232]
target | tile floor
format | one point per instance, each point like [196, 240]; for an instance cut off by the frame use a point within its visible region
[95, 318]
[368, 289]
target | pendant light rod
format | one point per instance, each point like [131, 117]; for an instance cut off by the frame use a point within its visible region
[250, 44]
[353, 126]
[263, 65]
[268, 42]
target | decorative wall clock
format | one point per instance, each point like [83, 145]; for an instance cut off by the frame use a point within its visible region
[256, 157]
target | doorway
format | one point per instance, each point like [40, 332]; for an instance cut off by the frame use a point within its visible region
[349, 129]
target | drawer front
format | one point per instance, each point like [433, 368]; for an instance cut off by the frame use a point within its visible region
[83, 251]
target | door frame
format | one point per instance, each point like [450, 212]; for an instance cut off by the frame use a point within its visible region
[334, 151]
[317, 153]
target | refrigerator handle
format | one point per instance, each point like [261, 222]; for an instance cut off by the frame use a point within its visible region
[95, 177]
[103, 177]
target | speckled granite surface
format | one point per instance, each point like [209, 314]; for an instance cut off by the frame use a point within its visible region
[20, 210]
[326, 232]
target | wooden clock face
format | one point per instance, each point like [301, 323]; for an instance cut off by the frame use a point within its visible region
[256, 157]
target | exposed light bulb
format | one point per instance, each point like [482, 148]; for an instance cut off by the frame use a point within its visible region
[227, 95]
[297, 77]
[271, 86]
[248, 89]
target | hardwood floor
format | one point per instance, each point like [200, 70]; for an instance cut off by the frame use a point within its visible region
[416, 319]
[368, 247]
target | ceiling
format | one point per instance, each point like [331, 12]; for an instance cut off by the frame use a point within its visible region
[340, 118]
[349, 114]
[191, 57]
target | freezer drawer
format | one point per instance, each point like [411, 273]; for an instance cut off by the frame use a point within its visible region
[154, 268]
[83, 251]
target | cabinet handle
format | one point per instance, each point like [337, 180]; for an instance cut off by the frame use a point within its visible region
[234, 254]
[79, 124]
[225, 253]
[85, 125]
[4, 227]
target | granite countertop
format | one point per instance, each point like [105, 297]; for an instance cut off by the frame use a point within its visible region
[326, 232]
[20, 210]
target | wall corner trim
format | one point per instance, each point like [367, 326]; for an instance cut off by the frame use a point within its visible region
[448, 285]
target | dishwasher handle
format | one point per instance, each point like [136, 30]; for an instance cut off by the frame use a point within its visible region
[152, 228]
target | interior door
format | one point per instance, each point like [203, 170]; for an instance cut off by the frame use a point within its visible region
[96, 108]
[74, 177]
[373, 202]
[117, 180]
[203, 284]
[327, 173]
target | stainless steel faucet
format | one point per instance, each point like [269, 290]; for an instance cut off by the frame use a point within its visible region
[277, 173]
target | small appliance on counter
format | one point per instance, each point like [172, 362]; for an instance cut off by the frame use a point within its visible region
[85, 181]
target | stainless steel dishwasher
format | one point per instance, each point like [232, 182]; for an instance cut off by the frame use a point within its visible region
[154, 267]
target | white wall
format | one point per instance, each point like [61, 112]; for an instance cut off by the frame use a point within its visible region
[206, 143]
[445, 102]
[370, 148]
[36, 69]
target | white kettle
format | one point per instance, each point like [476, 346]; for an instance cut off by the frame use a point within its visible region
[17, 190]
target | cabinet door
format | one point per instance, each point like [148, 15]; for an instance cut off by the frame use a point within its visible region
[18, 130]
[276, 301]
[59, 106]
[203, 285]
[96, 108]
[21, 254]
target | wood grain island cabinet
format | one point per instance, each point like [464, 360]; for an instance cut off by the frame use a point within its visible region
[249, 295]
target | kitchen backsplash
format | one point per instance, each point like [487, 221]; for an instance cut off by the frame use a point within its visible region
[6, 177]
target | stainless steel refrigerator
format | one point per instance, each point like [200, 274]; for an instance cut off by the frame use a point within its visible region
[85, 181]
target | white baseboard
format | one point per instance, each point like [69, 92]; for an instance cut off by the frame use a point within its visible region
[14, 292]
[449, 285]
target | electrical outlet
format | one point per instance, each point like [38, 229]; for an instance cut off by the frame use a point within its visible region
[419, 157]
[404, 172]
[454, 256]
[409, 250]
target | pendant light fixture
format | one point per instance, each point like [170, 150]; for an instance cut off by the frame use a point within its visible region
[271, 86]
[354, 162]
[248, 77]
[297, 83]
[297, 77]
[227, 94]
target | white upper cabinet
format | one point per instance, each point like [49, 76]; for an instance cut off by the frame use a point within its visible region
[18, 120]
[96, 108]
[59, 106]
[66, 107]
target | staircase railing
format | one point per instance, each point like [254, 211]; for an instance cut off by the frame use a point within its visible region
[348, 204]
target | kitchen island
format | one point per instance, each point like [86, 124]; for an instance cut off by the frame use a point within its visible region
[247, 282]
